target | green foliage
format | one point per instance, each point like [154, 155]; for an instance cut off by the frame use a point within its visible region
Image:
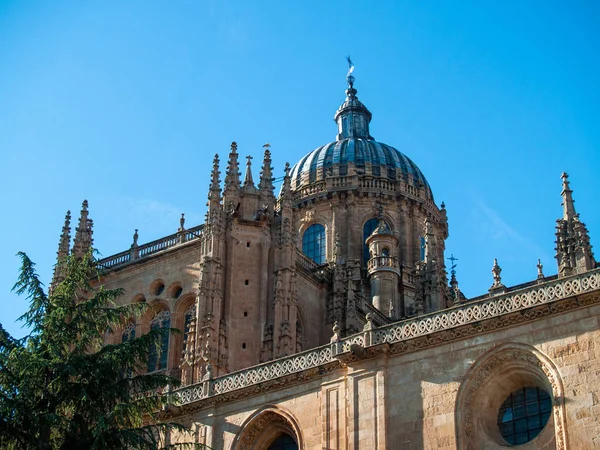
[61, 387]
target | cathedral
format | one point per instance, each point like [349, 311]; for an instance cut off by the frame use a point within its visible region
[323, 316]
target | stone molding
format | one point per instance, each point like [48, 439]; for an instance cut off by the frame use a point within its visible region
[461, 321]
[518, 357]
[262, 427]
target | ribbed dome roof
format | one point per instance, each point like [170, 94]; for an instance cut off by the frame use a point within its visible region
[367, 156]
[356, 149]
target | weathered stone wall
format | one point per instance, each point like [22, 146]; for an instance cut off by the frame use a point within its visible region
[418, 400]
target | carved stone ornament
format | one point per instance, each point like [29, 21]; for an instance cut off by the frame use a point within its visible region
[261, 429]
[502, 360]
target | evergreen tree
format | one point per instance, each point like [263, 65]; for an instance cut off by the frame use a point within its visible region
[61, 387]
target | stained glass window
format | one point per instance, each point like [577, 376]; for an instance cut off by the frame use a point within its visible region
[524, 414]
[157, 359]
[313, 243]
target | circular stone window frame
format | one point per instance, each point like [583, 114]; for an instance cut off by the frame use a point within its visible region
[490, 380]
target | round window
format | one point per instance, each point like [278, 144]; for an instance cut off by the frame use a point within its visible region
[524, 414]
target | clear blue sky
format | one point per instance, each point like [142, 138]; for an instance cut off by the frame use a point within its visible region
[125, 103]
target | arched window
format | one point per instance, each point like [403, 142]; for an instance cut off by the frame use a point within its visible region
[157, 359]
[313, 243]
[368, 229]
[422, 247]
[128, 332]
[284, 442]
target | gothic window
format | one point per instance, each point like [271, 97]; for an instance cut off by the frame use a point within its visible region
[524, 414]
[313, 243]
[157, 359]
[128, 333]
[284, 442]
[422, 247]
[368, 229]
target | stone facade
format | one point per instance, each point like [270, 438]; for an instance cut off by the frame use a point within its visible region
[325, 314]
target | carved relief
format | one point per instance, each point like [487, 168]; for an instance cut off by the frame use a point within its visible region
[264, 427]
[508, 360]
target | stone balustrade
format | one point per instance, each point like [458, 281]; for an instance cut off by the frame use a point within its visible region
[383, 263]
[142, 251]
[467, 313]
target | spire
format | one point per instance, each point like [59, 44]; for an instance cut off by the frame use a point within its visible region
[248, 181]
[63, 249]
[214, 191]
[286, 190]
[83, 233]
[352, 116]
[573, 249]
[232, 176]
[567, 194]
[265, 184]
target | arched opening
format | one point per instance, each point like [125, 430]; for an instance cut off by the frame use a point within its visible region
[313, 243]
[269, 429]
[284, 442]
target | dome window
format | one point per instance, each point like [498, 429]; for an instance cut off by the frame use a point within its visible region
[313, 243]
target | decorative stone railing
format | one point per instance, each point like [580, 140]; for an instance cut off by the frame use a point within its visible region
[383, 263]
[137, 252]
[465, 314]
[304, 261]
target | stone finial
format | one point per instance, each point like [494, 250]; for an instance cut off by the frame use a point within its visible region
[232, 176]
[568, 203]
[214, 191]
[336, 332]
[369, 325]
[248, 181]
[83, 233]
[286, 190]
[63, 249]
[265, 184]
[496, 270]
[540, 274]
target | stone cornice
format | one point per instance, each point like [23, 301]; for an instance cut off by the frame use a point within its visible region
[471, 318]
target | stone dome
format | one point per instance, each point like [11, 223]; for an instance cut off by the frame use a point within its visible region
[356, 154]
[360, 156]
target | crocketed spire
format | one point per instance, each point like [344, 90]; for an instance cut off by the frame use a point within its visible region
[214, 191]
[573, 249]
[83, 233]
[265, 184]
[232, 176]
[63, 250]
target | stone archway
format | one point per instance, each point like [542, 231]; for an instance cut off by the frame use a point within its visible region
[495, 375]
[261, 429]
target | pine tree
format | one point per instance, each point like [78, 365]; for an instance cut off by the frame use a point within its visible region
[62, 387]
